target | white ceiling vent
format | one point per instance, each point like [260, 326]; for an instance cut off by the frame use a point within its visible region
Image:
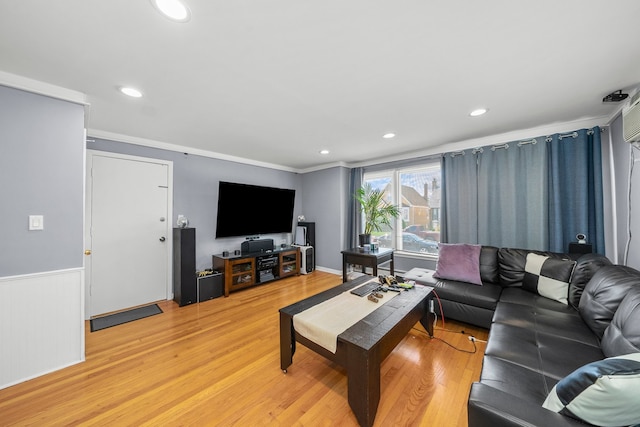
[631, 120]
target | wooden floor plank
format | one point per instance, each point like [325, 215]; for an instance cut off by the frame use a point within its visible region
[217, 363]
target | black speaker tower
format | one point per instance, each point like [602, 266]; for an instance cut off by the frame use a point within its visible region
[185, 284]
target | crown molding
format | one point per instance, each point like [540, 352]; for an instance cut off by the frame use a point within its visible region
[435, 150]
[111, 136]
[325, 166]
[492, 140]
[41, 88]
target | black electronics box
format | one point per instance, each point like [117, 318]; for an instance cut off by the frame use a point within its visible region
[211, 286]
[260, 245]
[580, 248]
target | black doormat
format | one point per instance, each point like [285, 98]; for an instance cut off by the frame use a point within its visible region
[124, 317]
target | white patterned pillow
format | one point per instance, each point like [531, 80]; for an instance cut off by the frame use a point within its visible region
[603, 393]
[548, 277]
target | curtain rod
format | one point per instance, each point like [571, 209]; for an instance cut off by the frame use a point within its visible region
[532, 141]
[495, 147]
[568, 135]
[574, 134]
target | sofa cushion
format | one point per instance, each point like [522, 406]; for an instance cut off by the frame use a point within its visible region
[622, 336]
[586, 266]
[489, 269]
[459, 261]
[512, 261]
[548, 277]
[565, 324]
[603, 294]
[603, 393]
[522, 382]
[490, 407]
[466, 313]
[550, 355]
[520, 296]
[485, 296]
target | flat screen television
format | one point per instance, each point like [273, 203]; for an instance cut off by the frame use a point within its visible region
[248, 210]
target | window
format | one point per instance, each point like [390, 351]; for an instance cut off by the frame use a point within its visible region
[416, 191]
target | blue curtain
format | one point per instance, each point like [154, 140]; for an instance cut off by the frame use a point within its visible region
[459, 219]
[575, 187]
[534, 194]
[354, 226]
[512, 195]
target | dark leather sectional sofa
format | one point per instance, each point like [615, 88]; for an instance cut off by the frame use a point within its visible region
[534, 342]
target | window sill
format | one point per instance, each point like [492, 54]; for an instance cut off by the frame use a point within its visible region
[415, 255]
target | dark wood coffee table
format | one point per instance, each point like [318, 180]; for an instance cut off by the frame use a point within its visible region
[363, 346]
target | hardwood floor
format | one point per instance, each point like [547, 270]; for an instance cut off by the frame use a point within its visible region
[218, 363]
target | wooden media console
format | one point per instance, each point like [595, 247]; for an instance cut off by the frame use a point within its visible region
[243, 271]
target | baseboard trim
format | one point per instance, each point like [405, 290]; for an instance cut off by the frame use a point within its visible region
[329, 270]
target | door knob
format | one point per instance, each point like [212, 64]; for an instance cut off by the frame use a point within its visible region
[87, 252]
[162, 239]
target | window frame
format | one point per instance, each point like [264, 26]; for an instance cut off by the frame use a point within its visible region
[394, 174]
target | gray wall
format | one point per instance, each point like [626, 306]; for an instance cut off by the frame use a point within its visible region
[41, 173]
[621, 152]
[324, 202]
[195, 192]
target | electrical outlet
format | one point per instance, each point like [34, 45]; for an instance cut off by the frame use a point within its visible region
[36, 222]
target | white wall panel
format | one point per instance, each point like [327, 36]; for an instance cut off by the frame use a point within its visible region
[41, 324]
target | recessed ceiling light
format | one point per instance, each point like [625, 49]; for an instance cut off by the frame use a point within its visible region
[389, 135]
[324, 151]
[129, 91]
[478, 112]
[175, 10]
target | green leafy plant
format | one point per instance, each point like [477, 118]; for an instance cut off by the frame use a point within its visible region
[377, 211]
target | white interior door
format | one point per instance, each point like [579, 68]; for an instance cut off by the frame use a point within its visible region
[128, 227]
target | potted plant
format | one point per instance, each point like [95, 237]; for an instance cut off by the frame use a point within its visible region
[377, 211]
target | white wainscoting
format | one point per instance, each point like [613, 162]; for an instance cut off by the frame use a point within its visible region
[41, 324]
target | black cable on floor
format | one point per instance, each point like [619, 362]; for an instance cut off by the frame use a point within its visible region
[451, 330]
[475, 349]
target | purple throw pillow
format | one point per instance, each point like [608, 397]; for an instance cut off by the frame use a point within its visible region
[460, 261]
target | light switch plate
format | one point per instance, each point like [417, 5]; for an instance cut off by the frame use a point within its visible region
[36, 222]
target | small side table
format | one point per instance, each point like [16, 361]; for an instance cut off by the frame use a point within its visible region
[366, 259]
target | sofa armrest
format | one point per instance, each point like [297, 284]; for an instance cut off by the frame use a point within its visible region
[489, 407]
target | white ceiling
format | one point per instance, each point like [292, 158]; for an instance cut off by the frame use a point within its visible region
[276, 81]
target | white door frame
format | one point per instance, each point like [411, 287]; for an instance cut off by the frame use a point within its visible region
[89, 164]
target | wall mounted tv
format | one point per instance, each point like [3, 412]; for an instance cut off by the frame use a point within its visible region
[248, 210]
